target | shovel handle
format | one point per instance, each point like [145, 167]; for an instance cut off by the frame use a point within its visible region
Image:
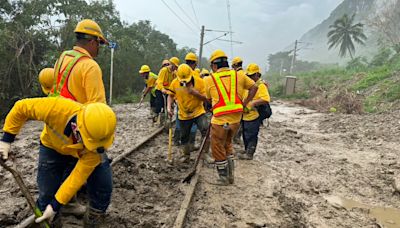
[25, 191]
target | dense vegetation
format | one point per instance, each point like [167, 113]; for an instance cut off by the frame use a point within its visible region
[33, 33]
[374, 83]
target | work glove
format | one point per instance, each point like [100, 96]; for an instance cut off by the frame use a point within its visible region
[5, 148]
[49, 214]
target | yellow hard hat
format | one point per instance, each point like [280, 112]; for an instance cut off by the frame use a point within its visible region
[96, 123]
[165, 62]
[204, 71]
[184, 73]
[144, 69]
[174, 60]
[46, 79]
[197, 70]
[236, 60]
[90, 27]
[191, 57]
[217, 54]
[252, 68]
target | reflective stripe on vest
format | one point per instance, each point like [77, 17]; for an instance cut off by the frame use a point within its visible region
[60, 85]
[228, 102]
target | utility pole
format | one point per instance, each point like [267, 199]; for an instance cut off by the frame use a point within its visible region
[280, 71]
[201, 44]
[112, 45]
[294, 57]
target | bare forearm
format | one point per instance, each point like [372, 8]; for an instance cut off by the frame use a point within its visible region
[250, 96]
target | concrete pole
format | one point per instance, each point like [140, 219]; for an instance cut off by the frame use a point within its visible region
[294, 57]
[201, 45]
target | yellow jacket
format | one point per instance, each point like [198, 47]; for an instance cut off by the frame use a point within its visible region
[56, 113]
[244, 83]
[165, 77]
[262, 93]
[189, 106]
[86, 81]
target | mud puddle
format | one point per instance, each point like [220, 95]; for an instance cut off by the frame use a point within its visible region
[386, 217]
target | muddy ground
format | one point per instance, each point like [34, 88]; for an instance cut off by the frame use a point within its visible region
[303, 158]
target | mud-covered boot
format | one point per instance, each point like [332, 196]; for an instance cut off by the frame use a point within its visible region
[185, 154]
[248, 155]
[222, 168]
[93, 218]
[231, 169]
[177, 137]
[73, 208]
[208, 159]
[192, 141]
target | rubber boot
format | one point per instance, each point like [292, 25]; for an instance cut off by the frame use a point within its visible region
[177, 137]
[73, 208]
[223, 170]
[185, 154]
[192, 141]
[231, 169]
[93, 218]
[248, 155]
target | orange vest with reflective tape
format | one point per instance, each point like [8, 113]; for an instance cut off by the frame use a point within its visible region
[228, 102]
[60, 85]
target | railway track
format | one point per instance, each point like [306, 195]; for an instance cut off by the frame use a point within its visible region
[148, 191]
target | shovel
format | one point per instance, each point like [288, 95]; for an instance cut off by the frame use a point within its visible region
[140, 104]
[18, 178]
[169, 140]
[201, 149]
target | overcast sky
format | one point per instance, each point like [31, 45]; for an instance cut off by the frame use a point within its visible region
[264, 26]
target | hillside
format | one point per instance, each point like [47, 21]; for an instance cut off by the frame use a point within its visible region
[317, 36]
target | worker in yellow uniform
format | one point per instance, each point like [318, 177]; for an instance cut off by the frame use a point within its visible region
[191, 60]
[46, 79]
[78, 76]
[165, 77]
[150, 79]
[204, 73]
[189, 93]
[226, 89]
[251, 117]
[237, 64]
[79, 134]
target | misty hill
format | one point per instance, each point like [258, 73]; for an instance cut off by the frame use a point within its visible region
[317, 36]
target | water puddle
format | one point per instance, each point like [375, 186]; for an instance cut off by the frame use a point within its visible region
[386, 217]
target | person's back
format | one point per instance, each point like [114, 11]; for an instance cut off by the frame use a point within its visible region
[78, 76]
[85, 81]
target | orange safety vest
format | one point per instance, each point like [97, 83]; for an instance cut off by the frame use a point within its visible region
[229, 102]
[60, 85]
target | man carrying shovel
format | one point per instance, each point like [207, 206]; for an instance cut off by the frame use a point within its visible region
[79, 135]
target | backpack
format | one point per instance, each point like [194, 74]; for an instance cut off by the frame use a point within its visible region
[264, 111]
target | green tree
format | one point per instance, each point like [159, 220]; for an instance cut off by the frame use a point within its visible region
[344, 32]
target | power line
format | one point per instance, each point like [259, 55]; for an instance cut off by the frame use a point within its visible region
[178, 17]
[194, 12]
[184, 12]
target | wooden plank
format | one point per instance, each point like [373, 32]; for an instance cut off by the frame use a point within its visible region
[180, 219]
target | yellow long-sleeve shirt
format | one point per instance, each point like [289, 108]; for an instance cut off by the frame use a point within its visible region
[262, 93]
[86, 80]
[165, 77]
[56, 113]
[189, 106]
